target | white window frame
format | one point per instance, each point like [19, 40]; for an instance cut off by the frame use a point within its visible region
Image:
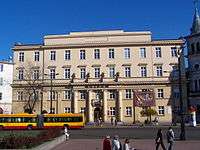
[129, 111]
[128, 94]
[82, 73]
[174, 52]
[112, 111]
[97, 72]
[21, 56]
[37, 56]
[158, 52]
[67, 73]
[1, 67]
[82, 95]
[143, 71]
[127, 53]
[52, 73]
[112, 72]
[111, 53]
[82, 110]
[159, 71]
[161, 110]
[127, 71]
[36, 74]
[21, 74]
[160, 93]
[82, 55]
[67, 110]
[143, 53]
[112, 94]
[96, 53]
[53, 95]
[67, 54]
[20, 95]
[52, 55]
[67, 95]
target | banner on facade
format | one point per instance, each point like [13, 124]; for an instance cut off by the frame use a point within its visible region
[143, 98]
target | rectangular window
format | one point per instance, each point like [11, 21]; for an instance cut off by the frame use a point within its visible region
[143, 71]
[112, 111]
[67, 55]
[1, 81]
[67, 73]
[67, 95]
[82, 95]
[127, 71]
[36, 74]
[142, 52]
[111, 72]
[158, 52]
[111, 53]
[128, 93]
[20, 95]
[52, 95]
[52, 73]
[160, 93]
[97, 72]
[128, 111]
[37, 56]
[161, 110]
[53, 55]
[82, 54]
[159, 71]
[1, 95]
[82, 73]
[96, 54]
[112, 94]
[174, 52]
[127, 53]
[53, 110]
[82, 110]
[1, 67]
[21, 74]
[67, 110]
[21, 56]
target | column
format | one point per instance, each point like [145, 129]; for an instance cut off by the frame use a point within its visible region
[105, 109]
[119, 105]
[75, 101]
[89, 106]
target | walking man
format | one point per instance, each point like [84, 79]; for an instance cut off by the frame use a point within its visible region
[66, 133]
[159, 140]
[170, 138]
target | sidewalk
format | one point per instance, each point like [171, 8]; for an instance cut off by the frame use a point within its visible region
[96, 144]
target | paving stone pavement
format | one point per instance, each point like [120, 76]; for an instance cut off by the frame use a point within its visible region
[96, 144]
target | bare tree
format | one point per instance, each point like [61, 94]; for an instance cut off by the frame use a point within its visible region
[32, 85]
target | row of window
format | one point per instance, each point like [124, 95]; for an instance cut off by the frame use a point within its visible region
[97, 72]
[97, 54]
[83, 94]
[112, 111]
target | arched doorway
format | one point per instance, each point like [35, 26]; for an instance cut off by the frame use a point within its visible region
[97, 114]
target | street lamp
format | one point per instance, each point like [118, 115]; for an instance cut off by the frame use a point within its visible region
[182, 134]
[51, 90]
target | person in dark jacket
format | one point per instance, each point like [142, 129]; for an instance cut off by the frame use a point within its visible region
[159, 140]
[106, 143]
[170, 138]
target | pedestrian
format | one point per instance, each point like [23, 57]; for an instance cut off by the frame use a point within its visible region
[170, 138]
[111, 120]
[115, 121]
[159, 140]
[66, 133]
[116, 144]
[127, 146]
[106, 143]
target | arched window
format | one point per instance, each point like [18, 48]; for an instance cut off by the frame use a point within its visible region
[198, 47]
[192, 48]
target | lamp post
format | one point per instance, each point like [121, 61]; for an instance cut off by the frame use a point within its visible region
[182, 134]
[52, 76]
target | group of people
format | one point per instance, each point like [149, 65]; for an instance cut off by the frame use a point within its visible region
[170, 139]
[115, 144]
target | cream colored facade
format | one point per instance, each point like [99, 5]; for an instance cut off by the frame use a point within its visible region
[130, 53]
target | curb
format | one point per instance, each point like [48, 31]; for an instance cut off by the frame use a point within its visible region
[51, 144]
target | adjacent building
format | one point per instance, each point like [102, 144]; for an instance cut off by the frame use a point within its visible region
[98, 74]
[6, 77]
[193, 44]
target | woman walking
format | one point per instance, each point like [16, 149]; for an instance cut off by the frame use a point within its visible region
[159, 140]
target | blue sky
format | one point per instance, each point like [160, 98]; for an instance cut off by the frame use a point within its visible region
[27, 21]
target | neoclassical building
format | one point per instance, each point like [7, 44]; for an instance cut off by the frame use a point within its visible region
[97, 73]
[193, 45]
